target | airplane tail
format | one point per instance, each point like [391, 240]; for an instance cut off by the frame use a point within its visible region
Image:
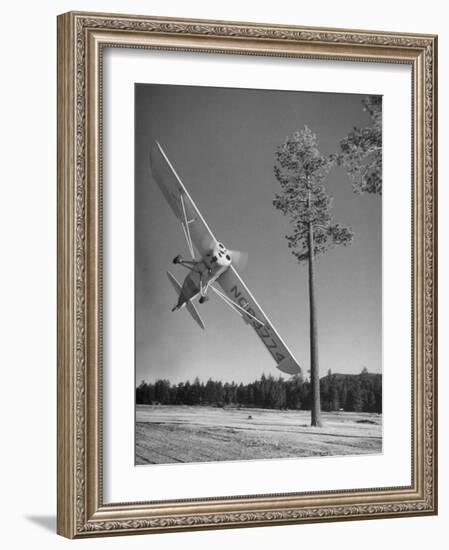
[174, 282]
[189, 306]
[194, 313]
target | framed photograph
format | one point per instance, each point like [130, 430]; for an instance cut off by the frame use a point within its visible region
[246, 274]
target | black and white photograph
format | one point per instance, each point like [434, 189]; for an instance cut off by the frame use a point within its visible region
[258, 274]
[224, 301]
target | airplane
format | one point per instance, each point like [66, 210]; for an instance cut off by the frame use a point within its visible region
[214, 266]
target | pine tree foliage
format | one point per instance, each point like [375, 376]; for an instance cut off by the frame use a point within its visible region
[353, 393]
[361, 151]
[300, 170]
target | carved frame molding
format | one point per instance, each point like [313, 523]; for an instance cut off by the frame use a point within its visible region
[81, 38]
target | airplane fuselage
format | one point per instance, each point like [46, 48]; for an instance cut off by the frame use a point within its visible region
[204, 272]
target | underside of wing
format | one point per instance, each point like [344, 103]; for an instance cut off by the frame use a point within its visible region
[196, 230]
[252, 314]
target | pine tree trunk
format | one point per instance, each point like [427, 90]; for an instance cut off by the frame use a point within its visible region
[314, 365]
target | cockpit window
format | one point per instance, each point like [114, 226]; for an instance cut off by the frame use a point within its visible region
[228, 257]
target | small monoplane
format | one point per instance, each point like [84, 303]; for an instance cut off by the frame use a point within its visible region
[215, 265]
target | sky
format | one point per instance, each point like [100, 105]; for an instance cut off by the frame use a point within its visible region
[222, 143]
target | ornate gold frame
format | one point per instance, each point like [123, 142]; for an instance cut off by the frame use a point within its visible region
[81, 37]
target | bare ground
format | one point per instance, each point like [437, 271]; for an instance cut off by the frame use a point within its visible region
[168, 434]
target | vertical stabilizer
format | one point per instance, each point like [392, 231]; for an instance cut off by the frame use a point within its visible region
[189, 306]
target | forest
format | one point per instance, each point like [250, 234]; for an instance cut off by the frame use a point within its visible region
[348, 392]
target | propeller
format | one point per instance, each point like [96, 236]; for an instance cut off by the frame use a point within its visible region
[239, 258]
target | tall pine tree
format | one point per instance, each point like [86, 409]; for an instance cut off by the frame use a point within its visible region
[300, 170]
[361, 151]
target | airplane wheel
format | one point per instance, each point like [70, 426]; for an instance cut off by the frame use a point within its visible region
[203, 299]
[178, 259]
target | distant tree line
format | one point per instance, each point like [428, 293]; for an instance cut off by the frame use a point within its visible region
[357, 392]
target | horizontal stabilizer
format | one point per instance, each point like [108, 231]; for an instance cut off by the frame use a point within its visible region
[194, 313]
[174, 282]
[189, 306]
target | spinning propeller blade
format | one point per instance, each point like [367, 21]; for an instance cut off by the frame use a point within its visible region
[239, 259]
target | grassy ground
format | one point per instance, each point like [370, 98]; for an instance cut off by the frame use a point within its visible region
[201, 434]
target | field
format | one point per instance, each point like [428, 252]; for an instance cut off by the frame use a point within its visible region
[168, 434]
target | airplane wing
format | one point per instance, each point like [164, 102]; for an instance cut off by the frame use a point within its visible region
[198, 234]
[241, 300]
[196, 230]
